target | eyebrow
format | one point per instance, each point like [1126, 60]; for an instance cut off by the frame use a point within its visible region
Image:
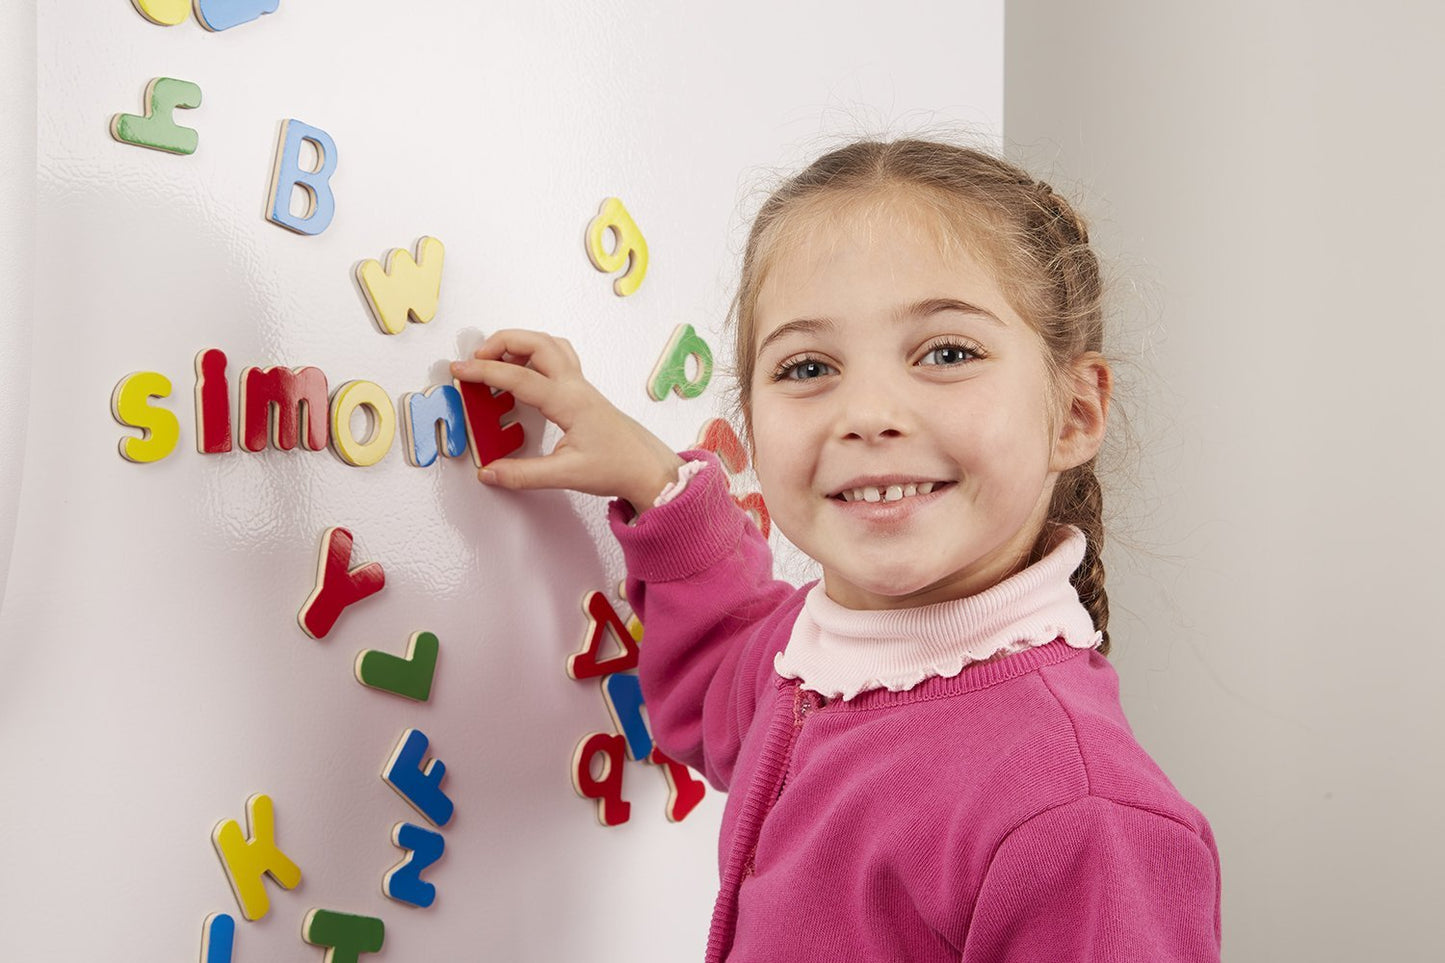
[919, 309]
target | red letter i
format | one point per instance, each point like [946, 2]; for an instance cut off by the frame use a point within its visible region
[213, 403]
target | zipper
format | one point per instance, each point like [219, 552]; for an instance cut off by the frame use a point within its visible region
[804, 704]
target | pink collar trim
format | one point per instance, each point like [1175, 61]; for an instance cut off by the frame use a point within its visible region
[840, 652]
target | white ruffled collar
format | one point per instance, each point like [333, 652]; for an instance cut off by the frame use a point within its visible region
[839, 652]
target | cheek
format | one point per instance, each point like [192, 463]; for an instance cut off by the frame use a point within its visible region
[779, 459]
[1000, 440]
[767, 435]
[769, 452]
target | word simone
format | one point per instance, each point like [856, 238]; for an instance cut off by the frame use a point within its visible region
[286, 408]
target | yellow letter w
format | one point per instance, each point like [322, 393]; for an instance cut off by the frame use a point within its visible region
[405, 286]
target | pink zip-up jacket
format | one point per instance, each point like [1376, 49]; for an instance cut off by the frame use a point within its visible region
[1003, 814]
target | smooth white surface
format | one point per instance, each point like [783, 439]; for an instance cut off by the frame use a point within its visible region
[152, 674]
[1264, 179]
[17, 252]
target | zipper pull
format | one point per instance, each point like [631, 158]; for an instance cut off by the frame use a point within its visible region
[806, 703]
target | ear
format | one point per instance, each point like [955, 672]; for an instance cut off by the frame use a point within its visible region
[1088, 385]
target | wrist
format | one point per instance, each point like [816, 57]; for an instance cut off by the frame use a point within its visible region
[661, 473]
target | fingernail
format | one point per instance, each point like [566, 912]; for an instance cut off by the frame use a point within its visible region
[487, 476]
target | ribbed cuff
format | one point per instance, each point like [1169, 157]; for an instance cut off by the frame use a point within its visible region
[686, 535]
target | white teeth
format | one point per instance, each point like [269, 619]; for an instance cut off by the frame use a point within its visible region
[887, 493]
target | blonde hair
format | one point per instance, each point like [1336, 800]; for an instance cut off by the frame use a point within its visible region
[1036, 244]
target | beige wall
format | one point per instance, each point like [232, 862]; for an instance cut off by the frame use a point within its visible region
[1265, 180]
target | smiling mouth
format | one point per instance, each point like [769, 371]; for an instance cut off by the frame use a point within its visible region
[888, 493]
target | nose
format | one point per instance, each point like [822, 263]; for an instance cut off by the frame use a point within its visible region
[872, 409]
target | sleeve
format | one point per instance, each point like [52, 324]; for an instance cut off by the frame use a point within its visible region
[699, 576]
[1097, 880]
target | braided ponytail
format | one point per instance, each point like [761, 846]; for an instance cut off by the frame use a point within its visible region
[1078, 499]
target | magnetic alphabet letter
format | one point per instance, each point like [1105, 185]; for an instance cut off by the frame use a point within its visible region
[670, 374]
[421, 788]
[409, 676]
[128, 405]
[602, 618]
[288, 174]
[337, 584]
[490, 439]
[158, 129]
[213, 403]
[612, 809]
[718, 437]
[623, 694]
[406, 287]
[433, 423]
[753, 504]
[218, 938]
[403, 882]
[684, 792]
[225, 14]
[167, 13]
[247, 860]
[630, 250]
[288, 393]
[346, 936]
[368, 395]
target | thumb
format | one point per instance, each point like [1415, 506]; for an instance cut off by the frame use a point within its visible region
[524, 473]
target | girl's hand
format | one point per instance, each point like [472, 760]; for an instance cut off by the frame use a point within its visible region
[602, 451]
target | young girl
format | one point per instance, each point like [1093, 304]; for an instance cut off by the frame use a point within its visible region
[924, 751]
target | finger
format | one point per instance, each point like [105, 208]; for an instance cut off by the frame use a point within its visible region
[527, 385]
[521, 346]
[544, 471]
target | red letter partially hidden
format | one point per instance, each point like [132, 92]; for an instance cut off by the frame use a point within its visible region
[684, 792]
[719, 437]
[490, 438]
[752, 503]
[337, 585]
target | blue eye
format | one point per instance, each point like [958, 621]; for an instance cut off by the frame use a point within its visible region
[949, 354]
[804, 370]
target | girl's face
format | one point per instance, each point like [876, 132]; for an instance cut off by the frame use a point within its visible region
[886, 365]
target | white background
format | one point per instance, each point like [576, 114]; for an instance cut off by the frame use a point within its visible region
[152, 674]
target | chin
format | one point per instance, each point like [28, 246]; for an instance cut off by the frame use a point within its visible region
[899, 587]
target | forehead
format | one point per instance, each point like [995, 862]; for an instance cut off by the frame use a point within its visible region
[857, 256]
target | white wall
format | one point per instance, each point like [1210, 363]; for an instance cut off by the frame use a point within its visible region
[152, 674]
[17, 252]
[1265, 179]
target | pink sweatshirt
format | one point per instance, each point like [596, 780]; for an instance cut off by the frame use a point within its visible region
[1005, 813]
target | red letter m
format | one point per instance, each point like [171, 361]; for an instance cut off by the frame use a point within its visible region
[286, 391]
